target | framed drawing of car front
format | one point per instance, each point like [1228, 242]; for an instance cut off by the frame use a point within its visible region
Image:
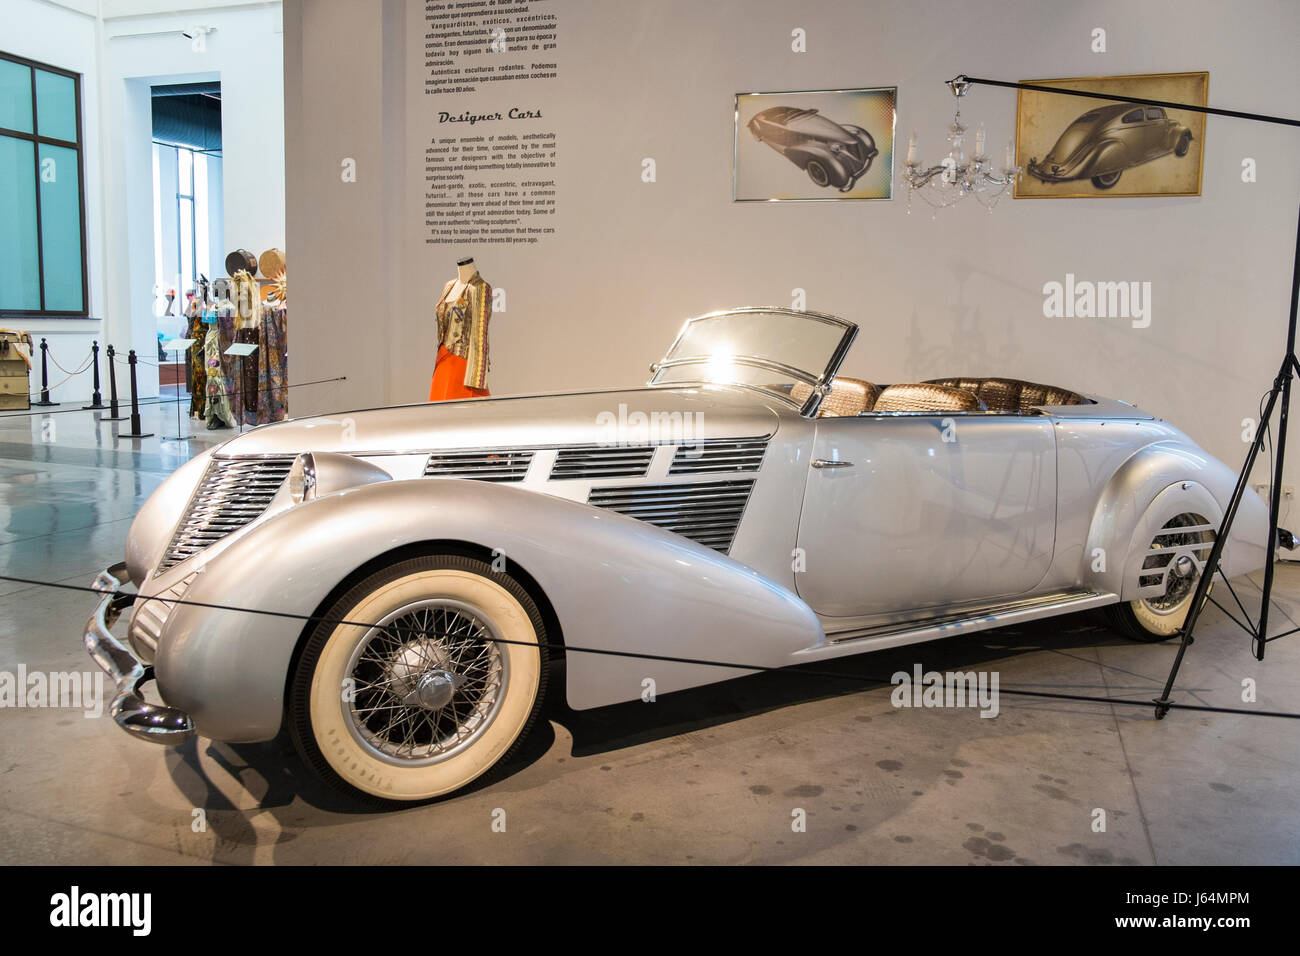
[814, 145]
[1073, 146]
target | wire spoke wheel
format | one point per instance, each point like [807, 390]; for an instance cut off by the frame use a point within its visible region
[1177, 554]
[1174, 561]
[426, 682]
[421, 678]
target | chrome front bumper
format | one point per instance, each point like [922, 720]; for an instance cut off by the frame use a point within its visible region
[139, 718]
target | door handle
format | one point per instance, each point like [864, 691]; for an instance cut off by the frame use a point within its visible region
[831, 463]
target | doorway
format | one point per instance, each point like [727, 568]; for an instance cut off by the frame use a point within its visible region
[187, 215]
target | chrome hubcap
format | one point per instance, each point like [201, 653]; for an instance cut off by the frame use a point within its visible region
[434, 690]
[426, 681]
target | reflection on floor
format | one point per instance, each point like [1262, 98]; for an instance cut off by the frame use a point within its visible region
[708, 776]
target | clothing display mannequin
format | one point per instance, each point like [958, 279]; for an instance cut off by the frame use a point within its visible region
[196, 373]
[463, 311]
[218, 413]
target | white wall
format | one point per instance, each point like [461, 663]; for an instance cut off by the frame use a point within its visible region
[122, 47]
[958, 294]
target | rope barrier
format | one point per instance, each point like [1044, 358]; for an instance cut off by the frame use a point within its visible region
[168, 401]
[862, 679]
[138, 361]
[71, 376]
[83, 368]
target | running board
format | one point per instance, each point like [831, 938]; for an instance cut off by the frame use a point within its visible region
[898, 633]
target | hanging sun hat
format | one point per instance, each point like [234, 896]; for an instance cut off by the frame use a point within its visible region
[271, 262]
[241, 260]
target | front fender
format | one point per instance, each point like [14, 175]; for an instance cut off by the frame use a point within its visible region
[803, 153]
[615, 583]
[1160, 481]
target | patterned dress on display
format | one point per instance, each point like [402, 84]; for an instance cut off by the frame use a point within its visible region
[196, 372]
[460, 370]
[233, 386]
[264, 373]
[218, 406]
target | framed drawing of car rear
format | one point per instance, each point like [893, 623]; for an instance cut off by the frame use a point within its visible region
[814, 145]
[1074, 146]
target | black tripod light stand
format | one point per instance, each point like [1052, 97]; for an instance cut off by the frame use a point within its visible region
[1279, 393]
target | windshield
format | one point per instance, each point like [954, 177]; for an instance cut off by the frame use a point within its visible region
[767, 348]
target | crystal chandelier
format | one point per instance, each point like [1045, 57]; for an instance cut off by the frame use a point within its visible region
[957, 175]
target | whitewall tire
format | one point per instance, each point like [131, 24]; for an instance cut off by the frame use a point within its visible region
[1176, 553]
[421, 678]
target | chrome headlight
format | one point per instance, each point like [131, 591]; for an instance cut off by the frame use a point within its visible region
[302, 478]
[318, 473]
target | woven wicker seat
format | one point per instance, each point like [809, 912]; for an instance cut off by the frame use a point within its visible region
[847, 397]
[1011, 394]
[927, 397]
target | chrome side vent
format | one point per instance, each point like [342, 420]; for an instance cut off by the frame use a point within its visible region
[707, 512]
[479, 465]
[713, 456]
[614, 461]
[233, 492]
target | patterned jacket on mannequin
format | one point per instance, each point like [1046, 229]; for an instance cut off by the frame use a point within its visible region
[463, 327]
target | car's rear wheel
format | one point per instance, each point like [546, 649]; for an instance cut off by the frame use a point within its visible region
[1107, 180]
[1177, 553]
[420, 679]
[1184, 144]
[817, 173]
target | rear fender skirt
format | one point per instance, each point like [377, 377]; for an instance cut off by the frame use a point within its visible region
[1159, 481]
[615, 584]
[1109, 157]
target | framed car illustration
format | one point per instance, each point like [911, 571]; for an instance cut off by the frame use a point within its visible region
[815, 145]
[1080, 146]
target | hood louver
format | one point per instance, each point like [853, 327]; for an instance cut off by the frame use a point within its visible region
[715, 456]
[707, 512]
[479, 465]
[602, 462]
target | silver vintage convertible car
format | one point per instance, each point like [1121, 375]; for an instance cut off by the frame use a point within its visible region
[832, 154]
[391, 585]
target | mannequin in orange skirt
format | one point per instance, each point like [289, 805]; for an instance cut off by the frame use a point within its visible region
[463, 312]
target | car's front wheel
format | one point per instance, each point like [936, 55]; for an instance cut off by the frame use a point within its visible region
[1107, 180]
[1184, 144]
[817, 173]
[420, 679]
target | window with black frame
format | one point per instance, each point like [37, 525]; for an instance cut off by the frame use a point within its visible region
[42, 203]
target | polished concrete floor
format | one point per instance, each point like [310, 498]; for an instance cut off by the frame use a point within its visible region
[708, 776]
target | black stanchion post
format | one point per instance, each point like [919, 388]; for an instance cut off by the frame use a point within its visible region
[45, 376]
[113, 413]
[95, 400]
[135, 431]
